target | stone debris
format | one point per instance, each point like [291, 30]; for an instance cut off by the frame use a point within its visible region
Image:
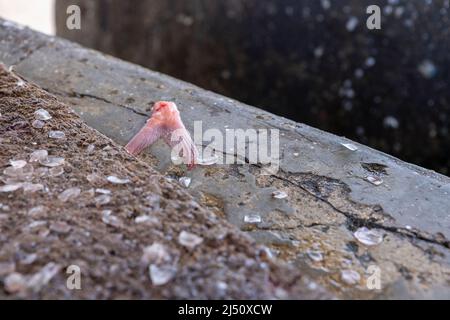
[189, 240]
[185, 181]
[374, 180]
[69, 194]
[368, 237]
[42, 114]
[116, 180]
[55, 134]
[279, 194]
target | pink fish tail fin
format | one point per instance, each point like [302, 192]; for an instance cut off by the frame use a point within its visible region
[145, 137]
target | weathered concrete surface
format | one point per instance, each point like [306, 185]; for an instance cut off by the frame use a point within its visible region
[328, 196]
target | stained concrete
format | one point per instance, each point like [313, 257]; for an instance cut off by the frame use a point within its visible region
[328, 195]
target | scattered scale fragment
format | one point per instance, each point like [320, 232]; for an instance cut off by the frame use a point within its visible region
[38, 210]
[146, 219]
[314, 255]
[43, 277]
[42, 114]
[157, 253]
[38, 155]
[41, 171]
[23, 173]
[350, 146]
[252, 218]
[17, 163]
[369, 237]
[279, 194]
[10, 187]
[116, 180]
[32, 187]
[56, 134]
[69, 194]
[185, 181]
[90, 148]
[60, 227]
[161, 275]
[374, 180]
[94, 178]
[56, 171]
[102, 199]
[208, 161]
[52, 161]
[189, 240]
[38, 124]
[103, 191]
[350, 276]
[110, 219]
[14, 283]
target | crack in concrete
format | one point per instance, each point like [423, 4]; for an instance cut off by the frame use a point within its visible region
[87, 95]
[298, 226]
[357, 221]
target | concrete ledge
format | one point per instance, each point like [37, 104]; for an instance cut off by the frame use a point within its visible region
[329, 197]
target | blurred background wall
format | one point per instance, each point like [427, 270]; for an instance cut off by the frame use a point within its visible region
[313, 61]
